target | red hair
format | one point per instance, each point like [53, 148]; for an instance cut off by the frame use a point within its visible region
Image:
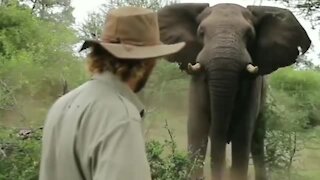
[100, 60]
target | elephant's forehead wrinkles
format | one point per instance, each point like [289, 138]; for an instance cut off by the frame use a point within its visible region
[227, 10]
[227, 6]
[237, 24]
[228, 16]
[227, 13]
[224, 33]
[237, 19]
[226, 29]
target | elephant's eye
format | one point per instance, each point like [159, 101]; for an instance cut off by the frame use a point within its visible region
[249, 34]
[200, 32]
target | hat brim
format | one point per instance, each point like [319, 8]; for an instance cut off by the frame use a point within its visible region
[126, 51]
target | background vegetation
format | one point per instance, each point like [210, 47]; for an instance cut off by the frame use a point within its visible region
[38, 63]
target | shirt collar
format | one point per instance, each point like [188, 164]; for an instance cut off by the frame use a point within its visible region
[122, 88]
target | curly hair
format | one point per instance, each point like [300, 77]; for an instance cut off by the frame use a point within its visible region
[100, 60]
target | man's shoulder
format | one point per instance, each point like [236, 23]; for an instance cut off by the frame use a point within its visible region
[110, 97]
[90, 93]
[97, 97]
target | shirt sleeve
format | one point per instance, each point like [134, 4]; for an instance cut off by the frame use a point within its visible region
[121, 155]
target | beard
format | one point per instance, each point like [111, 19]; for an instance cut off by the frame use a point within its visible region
[142, 81]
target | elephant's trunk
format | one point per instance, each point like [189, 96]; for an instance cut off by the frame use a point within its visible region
[223, 79]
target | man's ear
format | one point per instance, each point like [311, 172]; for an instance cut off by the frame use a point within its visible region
[178, 22]
[280, 38]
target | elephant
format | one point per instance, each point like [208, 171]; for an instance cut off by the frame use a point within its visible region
[230, 50]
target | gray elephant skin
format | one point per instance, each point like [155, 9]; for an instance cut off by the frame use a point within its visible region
[229, 51]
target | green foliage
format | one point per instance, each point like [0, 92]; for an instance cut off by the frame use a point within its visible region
[300, 91]
[58, 11]
[19, 154]
[22, 34]
[36, 58]
[167, 162]
[171, 167]
[293, 104]
[281, 152]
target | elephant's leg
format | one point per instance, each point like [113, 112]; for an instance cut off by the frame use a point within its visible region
[241, 143]
[198, 123]
[257, 150]
[244, 121]
[218, 154]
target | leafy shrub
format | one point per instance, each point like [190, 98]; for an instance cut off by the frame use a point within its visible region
[293, 104]
[174, 166]
[287, 115]
[301, 87]
[19, 154]
[36, 56]
[167, 162]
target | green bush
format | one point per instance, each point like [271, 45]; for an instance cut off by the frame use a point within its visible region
[298, 91]
[19, 154]
[293, 103]
[36, 58]
[167, 162]
[174, 166]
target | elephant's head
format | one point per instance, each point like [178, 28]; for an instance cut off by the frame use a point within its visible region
[258, 39]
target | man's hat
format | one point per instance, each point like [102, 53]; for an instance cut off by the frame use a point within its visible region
[133, 33]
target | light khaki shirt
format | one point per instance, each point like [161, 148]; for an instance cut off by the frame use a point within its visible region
[95, 133]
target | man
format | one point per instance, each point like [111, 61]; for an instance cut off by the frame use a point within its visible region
[94, 132]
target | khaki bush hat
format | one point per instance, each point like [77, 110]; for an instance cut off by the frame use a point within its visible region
[133, 33]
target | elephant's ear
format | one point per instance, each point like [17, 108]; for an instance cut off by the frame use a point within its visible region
[177, 23]
[280, 38]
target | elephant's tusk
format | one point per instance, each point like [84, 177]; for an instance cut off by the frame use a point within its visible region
[194, 68]
[252, 69]
[300, 50]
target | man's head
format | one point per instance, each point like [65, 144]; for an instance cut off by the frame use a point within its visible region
[135, 72]
[129, 46]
